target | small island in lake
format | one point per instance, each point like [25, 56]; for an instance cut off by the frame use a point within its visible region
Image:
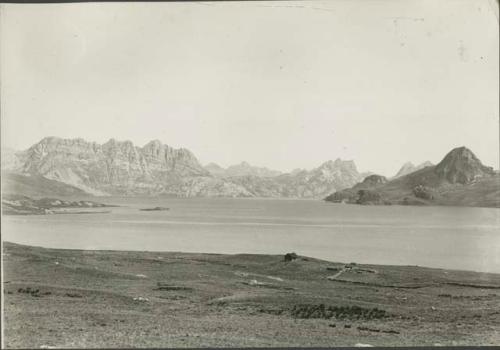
[155, 209]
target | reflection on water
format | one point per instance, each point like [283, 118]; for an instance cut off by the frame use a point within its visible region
[457, 238]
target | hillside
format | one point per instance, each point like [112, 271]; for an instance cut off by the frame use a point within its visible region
[37, 186]
[459, 179]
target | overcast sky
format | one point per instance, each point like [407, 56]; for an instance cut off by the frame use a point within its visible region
[279, 84]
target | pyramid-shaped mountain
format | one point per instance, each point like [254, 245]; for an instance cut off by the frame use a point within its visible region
[459, 179]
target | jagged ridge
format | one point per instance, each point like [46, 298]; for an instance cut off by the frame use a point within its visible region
[119, 167]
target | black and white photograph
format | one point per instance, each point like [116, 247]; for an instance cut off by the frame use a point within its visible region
[244, 174]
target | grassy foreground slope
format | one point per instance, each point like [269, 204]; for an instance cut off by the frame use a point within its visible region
[76, 298]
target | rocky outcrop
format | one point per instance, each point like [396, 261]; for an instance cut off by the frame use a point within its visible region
[361, 193]
[374, 180]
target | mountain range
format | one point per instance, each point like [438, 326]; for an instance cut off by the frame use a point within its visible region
[74, 167]
[70, 166]
[459, 179]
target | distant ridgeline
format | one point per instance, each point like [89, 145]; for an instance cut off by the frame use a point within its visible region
[58, 167]
[459, 179]
[75, 167]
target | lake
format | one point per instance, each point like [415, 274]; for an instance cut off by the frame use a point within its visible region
[445, 237]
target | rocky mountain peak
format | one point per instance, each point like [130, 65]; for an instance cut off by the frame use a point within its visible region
[462, 166]
[339, 164]
[409, 167]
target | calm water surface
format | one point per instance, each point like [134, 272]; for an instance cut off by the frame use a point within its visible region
[447, 237]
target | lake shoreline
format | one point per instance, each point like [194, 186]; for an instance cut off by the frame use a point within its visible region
[174, 299]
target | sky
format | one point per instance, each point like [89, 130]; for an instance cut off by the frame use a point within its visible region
[278, 84]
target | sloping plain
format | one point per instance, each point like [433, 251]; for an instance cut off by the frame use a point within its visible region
[77, 298]
[37, 186]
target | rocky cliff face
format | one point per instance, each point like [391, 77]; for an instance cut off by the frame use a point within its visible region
[114, 167]
[120, 167]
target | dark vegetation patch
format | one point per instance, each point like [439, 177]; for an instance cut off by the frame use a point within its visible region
[74, 295]
[33, 292]
[412, 201]
[376, 330]
[272, 311]
[481, 286]
[371, 284]
[338, 312]
[172, 297]
[334, 269]
[167, 287]
[369, 197]
[423, 192]
[471, 297]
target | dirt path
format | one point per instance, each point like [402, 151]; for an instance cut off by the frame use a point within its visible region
[337, 274]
